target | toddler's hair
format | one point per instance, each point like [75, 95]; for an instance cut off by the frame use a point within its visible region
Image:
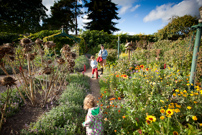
[92, 57]
[89, 102]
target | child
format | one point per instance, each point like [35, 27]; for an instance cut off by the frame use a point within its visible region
[93, 64]
[93, 121]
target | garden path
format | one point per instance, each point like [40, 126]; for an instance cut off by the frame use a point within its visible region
[94, 83]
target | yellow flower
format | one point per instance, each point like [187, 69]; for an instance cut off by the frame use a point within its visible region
[191, 94]
[162, 111]
[200, 124]
[194, 118]
[174, 94]
[184, 95]
[177, 110]
[162, 117]
[151, 118]
[189, 107]
[169, 112]
[161, 101]
[195, 93]
[195, 102]
[176, 90]
[185, 91]
[178, 106]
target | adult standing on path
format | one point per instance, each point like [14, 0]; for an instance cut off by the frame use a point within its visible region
[102, 53]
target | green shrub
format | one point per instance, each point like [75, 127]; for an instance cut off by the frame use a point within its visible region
[15, 102]
[80, 62]
[8, 37]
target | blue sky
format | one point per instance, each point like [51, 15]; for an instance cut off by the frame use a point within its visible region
[145, 16]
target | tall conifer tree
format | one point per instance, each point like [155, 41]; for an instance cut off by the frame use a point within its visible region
[21, 16]
[101, 14]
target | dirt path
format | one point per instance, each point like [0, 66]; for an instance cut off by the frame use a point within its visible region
[94, 83]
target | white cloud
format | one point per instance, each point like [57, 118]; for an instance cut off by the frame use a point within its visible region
[134, 8]
[166, 11]
[126, 5]
[124, 9]
[122, 32]
[48, 4]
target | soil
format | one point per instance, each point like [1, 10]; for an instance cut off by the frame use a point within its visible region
[29, 114]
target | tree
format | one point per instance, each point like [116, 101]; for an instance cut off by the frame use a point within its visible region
[177, 27]
[64, 13]
[101, 14]
[21, 16]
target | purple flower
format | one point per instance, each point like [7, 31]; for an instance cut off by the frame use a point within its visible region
[137, 71]
[140, 86]
[130, 77]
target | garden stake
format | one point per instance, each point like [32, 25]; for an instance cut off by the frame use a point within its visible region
[97, 75]
[84, 68]
[195, 51]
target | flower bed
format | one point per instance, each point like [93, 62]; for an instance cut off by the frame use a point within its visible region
[67, 117]
[152, 100]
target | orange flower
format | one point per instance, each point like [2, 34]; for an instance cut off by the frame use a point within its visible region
[112, 99]
[101, 105]
[115, 131]
[119, 110]
[104, 91]
[117, 75]
[119, 98]
[100, 96]
[124, 117]
[112, 105]
[107, 106]
[105, 119]
[142, 66]
[175, 133]
[116, 106]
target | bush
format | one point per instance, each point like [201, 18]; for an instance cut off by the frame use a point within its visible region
[8, 37]
[80, 62]
[112, 55]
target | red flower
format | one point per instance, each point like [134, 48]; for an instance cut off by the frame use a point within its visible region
[139, 131]
[142, 66]
[148, 122]
[20, 68]
[147, 69]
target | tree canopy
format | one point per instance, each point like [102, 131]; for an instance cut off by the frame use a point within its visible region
[21, 16]
[64, 13]
[101, 14]
[177, 27]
